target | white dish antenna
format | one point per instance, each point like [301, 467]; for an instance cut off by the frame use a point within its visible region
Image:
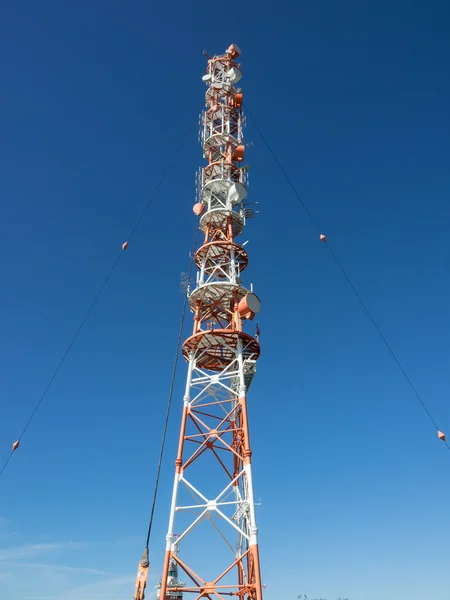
[234, 75]
[234, 48]
[206, 77]
[237, 193]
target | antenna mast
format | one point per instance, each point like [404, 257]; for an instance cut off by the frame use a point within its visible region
[212, 507]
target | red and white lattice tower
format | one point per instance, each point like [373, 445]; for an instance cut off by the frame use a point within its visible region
[212, 540]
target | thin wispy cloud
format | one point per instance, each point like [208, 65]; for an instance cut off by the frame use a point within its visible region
[30, 550]
[107, 589]
[7, 535]
[5, 529]
[60, 568]
[50, 580]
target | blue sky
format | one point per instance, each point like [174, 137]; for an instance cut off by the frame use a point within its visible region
[354, 99]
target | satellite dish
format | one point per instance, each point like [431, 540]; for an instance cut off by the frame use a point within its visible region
[217, 85]
[234, 50]
[238, 154]
[234, 75]
[253, 303]
[237, 193]
[206, 77]
[199, 208]
[249, 306]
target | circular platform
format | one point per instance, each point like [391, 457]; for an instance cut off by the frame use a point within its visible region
[215, 193]
[221, 118]
[221, 170]
[214, 350]
[219, 253]
[218, 141]
[218, 218]
[218, 293]
[226, 90]
[220, 193]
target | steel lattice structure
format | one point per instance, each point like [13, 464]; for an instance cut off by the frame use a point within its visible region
[212, 502]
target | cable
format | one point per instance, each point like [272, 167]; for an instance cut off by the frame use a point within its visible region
[93, 304]
[169, 403]
[355, 291]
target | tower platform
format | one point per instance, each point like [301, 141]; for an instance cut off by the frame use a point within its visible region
[216, 349]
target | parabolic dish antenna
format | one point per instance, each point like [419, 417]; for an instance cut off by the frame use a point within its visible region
[237, 193]
[253, 303]
[236, 49]
[234, 75]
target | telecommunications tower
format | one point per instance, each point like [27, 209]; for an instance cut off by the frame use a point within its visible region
[212, 541]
